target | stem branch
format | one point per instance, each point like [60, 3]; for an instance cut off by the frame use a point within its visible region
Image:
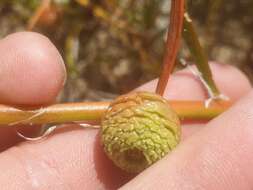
[93, 112]
[172, 44]
[201, 60]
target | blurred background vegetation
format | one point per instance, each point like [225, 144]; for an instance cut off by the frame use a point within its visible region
[113, 46]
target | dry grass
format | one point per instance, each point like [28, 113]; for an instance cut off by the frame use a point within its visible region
[112, 46]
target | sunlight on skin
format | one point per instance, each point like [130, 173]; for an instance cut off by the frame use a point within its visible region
[73, 158]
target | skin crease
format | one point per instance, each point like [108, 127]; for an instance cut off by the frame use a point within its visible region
[218, 156]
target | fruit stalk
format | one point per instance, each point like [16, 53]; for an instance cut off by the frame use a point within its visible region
[172, 44]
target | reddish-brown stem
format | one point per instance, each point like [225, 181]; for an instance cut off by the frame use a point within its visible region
[93, 112]
[172, 44]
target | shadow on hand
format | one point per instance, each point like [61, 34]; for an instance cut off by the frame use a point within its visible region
[107, 173]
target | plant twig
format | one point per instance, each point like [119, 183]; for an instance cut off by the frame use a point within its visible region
[199, 55]
[172, 44]
[196, 110]
[45, 5]
[93, 112]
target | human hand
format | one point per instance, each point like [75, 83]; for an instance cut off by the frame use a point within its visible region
[218, 156]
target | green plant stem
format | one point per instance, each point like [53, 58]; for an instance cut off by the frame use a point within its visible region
[201, 60]
[94, 111]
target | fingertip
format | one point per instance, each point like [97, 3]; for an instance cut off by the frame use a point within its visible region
[32, 70]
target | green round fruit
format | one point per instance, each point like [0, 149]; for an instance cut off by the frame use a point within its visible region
[139, 129]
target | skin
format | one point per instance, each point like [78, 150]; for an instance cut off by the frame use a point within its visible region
[216, 155]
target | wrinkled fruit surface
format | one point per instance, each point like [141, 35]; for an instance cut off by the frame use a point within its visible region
[139, 129]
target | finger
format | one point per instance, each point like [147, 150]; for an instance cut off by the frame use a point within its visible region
[74, 159]
[183, 85]
[32, 70]
[218, 157]
[31, 74]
